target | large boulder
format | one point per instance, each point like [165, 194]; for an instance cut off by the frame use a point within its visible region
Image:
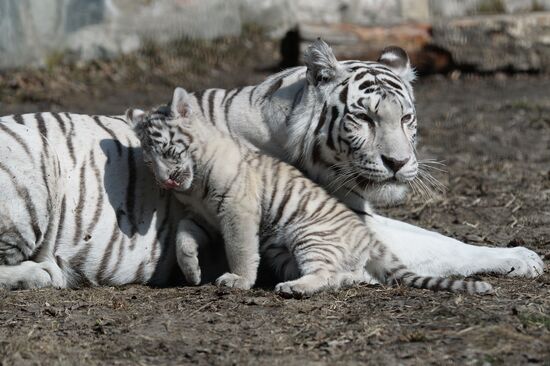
[497, 42]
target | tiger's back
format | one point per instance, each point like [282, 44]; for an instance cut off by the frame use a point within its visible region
[90, 204]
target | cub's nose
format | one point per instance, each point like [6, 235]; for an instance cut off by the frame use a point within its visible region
[170, 184]
[394, 164]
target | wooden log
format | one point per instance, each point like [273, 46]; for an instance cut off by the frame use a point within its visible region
[365, 43]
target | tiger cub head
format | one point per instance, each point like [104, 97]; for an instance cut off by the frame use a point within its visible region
[166, 142]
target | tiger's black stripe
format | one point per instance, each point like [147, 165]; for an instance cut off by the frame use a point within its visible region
[211, 99]
[18, 119]
[25, 195]
[61, 224]
[99, 202]
[102, 274]
[273, 89]
[44, 152]
[199, 95]
[97, 119]
[227, 106]
[17, 138]
[333, 118]
[78, 219]
[69, 135]
[131, 189]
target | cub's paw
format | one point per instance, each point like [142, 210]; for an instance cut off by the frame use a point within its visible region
[192, 276]
[233, 280]
[296, 289]
[523, 262]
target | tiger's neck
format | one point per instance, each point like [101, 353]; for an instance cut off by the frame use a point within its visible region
[212, 150]
[293, 114]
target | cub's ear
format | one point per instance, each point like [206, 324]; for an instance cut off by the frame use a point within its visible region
[181, 103]
[398, 61]
[134, 117]
[322, 66]
[136, 120]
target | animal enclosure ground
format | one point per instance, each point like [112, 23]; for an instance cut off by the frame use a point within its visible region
[493, 134]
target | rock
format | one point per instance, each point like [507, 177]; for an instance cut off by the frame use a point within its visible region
[497, 42]
[33, 32]
[461, 8]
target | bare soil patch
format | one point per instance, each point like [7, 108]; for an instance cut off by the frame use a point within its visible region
[493, 133]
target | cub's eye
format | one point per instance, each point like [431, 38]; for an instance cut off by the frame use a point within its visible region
[407, 118]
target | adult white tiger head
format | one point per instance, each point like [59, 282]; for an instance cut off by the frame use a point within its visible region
[363, 128]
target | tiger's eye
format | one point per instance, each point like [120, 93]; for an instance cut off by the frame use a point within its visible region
[406, 118]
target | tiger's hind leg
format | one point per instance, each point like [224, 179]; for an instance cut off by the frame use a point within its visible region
[316, 282]
[26, 266]
[30, 199]
[30, 274]
[319, 272]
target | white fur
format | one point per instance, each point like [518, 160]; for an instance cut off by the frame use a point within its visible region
[259, 122]
[431, 253]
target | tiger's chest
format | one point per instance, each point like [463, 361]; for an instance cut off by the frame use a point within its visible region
[200, 207]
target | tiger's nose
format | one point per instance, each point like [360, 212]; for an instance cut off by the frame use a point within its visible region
[394, 164]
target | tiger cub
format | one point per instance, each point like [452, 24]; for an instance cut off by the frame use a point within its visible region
[262, 205]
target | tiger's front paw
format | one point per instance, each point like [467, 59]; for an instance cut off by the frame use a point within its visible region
[523, 262]
[234, 280]
[290, 290]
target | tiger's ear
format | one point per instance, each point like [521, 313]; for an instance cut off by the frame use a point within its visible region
[322, 66]
[134, 117]
[181, 103]
[398, 61]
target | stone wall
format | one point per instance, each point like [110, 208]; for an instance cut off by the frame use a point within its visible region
[460, 8]
[32, 32]
[36, 32]
[497, 42]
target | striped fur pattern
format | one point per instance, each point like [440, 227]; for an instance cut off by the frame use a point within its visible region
[261, 204]
[79, 206]
[350, 125]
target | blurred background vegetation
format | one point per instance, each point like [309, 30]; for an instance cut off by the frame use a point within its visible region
[59, 54]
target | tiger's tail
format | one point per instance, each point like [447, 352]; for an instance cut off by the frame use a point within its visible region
[387, 268]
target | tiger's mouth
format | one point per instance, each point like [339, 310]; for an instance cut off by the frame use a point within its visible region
[367, 182]
[379, 177]
[180, 183]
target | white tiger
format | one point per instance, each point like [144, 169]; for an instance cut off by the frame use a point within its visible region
[78, 204]
[263, 205]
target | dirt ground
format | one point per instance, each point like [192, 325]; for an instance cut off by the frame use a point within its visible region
[493, 134]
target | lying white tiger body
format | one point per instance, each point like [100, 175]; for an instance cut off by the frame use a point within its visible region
[301, 115]
[79, 202]
[261, 204]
